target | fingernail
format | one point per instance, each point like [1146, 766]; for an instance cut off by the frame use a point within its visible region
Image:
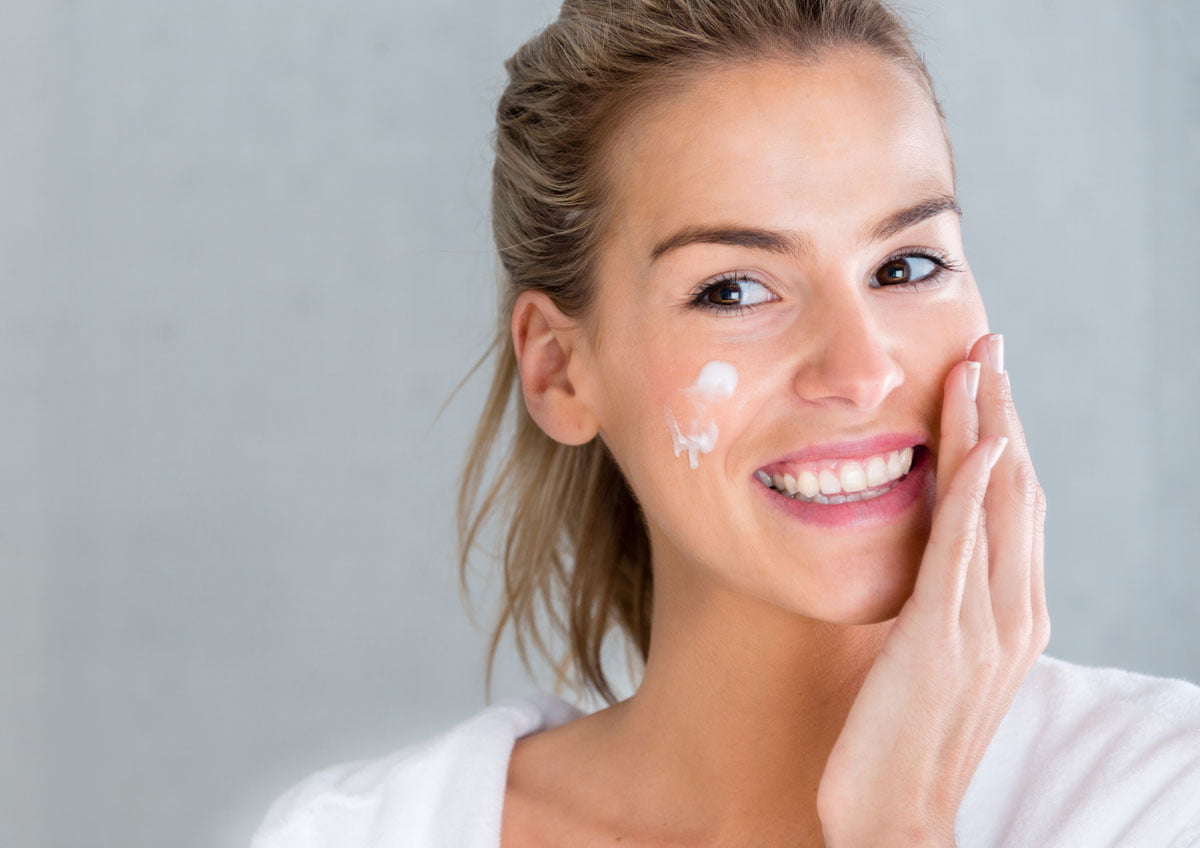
[997, 449]
[971, 378]
[995, 352]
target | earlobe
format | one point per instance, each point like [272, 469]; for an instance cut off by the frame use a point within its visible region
[546, 343]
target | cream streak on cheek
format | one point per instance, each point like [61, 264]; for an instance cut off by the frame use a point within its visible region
[692, 427]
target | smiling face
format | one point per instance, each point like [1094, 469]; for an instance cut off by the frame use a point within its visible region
[756, 227]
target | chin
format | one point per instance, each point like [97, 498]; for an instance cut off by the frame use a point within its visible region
[876, 593]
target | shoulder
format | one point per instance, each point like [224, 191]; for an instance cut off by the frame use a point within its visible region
[448, 789]
[1086, 687]
[1090, 756]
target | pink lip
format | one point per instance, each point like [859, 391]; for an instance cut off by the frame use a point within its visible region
[917, 487]
[851, 450]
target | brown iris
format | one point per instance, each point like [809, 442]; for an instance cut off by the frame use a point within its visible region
[729, 294]
[896, 271]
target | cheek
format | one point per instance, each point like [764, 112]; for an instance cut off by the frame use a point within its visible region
[674, 426]
[968, 320]
[641, 404]
[691, 413]
[935, 341]
[943, 333]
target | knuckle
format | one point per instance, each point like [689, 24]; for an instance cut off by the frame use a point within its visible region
[1017, 630]
[1024, 484]
[1041, 627]
[989, 658]
[941, 630]
[1040, 612]
[1041, 636]
[1036, 628]
[974, 492]
[1007, 407]
[962, 543]
[1004, 399]
[1041, 621]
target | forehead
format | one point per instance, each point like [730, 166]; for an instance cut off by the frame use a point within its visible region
[818, 148]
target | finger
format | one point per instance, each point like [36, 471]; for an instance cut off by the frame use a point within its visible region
[1009, 503]
[1037, 578]
[1012, 533]
[997, 414]
[975, 616]
[960, 422]
[954, 534]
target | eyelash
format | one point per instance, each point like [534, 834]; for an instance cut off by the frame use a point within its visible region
[944, 265]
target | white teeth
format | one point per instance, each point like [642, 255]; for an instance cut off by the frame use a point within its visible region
[809, 485]
[877, 472]
[853, 497]
[853, 478]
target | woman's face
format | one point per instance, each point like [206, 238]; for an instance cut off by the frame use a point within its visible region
[755, 312]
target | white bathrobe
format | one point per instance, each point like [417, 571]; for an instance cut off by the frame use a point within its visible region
[1085, 758]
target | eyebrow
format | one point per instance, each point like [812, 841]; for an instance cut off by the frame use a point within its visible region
[796, 243]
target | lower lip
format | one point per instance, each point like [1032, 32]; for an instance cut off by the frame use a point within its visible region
[876, 511]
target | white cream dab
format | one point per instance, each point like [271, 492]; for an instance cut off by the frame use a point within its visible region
[717, 381]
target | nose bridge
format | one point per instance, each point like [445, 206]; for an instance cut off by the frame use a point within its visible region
[849, 358]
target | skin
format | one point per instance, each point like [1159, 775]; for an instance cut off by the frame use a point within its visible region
[805, 685]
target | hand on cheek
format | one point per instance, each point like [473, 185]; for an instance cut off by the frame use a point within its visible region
[964, 641]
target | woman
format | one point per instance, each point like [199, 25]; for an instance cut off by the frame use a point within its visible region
[765, 430]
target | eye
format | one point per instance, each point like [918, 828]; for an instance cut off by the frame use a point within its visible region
[731, 294]
[913, 270]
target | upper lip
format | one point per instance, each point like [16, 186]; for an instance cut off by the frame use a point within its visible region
[856, 449]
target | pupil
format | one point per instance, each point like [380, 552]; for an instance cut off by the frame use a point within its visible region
[729, 294]
[897, 271]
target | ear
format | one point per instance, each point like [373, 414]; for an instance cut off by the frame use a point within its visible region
[552, 358]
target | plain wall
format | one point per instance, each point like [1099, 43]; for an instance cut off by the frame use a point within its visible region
[245, 257]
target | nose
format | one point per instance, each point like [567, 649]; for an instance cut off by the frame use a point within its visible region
[848, 360]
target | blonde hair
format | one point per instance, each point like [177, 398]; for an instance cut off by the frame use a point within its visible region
[576, 540]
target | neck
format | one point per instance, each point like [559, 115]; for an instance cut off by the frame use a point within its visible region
[739, 706]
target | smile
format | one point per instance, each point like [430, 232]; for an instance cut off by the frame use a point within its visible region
[847, 479]
[850, 493]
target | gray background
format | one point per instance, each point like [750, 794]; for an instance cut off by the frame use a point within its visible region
[246, 257]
